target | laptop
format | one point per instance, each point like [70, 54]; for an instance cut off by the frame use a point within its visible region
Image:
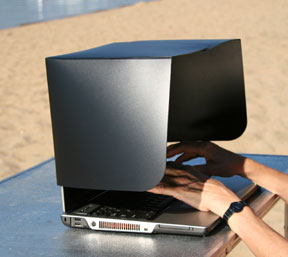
[144, 212]
[113, 110]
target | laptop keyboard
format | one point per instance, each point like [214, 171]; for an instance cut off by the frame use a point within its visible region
[126, 205]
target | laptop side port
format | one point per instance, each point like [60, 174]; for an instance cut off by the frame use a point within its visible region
[78, 223]
[66, 220]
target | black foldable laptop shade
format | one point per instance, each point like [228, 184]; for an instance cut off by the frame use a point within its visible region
[115, 107]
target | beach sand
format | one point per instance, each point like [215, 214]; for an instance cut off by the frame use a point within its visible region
[25, 127]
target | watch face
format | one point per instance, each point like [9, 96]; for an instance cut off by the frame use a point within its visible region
[237, 207]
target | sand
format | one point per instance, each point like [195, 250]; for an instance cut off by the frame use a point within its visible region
[25, 127]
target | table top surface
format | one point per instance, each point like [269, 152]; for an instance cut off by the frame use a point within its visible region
[30, 225]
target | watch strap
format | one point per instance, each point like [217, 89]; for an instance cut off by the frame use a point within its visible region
[231, 210]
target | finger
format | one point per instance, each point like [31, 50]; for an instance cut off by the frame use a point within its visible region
[172, 146]
[174, 149]
[185, 170]
[179, 170]
[171, 185]
[174, 165]
[186, 175]
[185, 181]
[198, 148]
[185, 157]
[193, 171]
[163, 190]
[206, 169]
[170, 171]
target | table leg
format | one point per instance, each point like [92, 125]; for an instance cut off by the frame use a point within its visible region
[286, 221]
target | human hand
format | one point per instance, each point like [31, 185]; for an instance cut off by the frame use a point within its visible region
[219, 162]
[195, 189]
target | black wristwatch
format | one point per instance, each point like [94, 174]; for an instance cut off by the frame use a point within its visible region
[234, 207]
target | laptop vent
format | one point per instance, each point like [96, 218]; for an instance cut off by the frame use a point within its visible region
[119, 226]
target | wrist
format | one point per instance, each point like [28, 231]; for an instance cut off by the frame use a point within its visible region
[236, 221]
[249, 168]
[254, 170]
[239, 165]
[235, 207]
[260, 174]
[220, 209]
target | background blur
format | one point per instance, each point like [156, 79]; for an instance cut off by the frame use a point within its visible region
[25, 128]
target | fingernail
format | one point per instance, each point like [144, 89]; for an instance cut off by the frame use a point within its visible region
[170, 147]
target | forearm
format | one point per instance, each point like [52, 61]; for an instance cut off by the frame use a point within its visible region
[260, 238]
[273, 180]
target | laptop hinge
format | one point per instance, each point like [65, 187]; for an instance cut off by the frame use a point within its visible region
[63, 199]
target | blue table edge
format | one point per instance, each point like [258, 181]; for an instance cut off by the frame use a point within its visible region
[20, 173]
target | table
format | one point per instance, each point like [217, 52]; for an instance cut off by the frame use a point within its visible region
[30, 223]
